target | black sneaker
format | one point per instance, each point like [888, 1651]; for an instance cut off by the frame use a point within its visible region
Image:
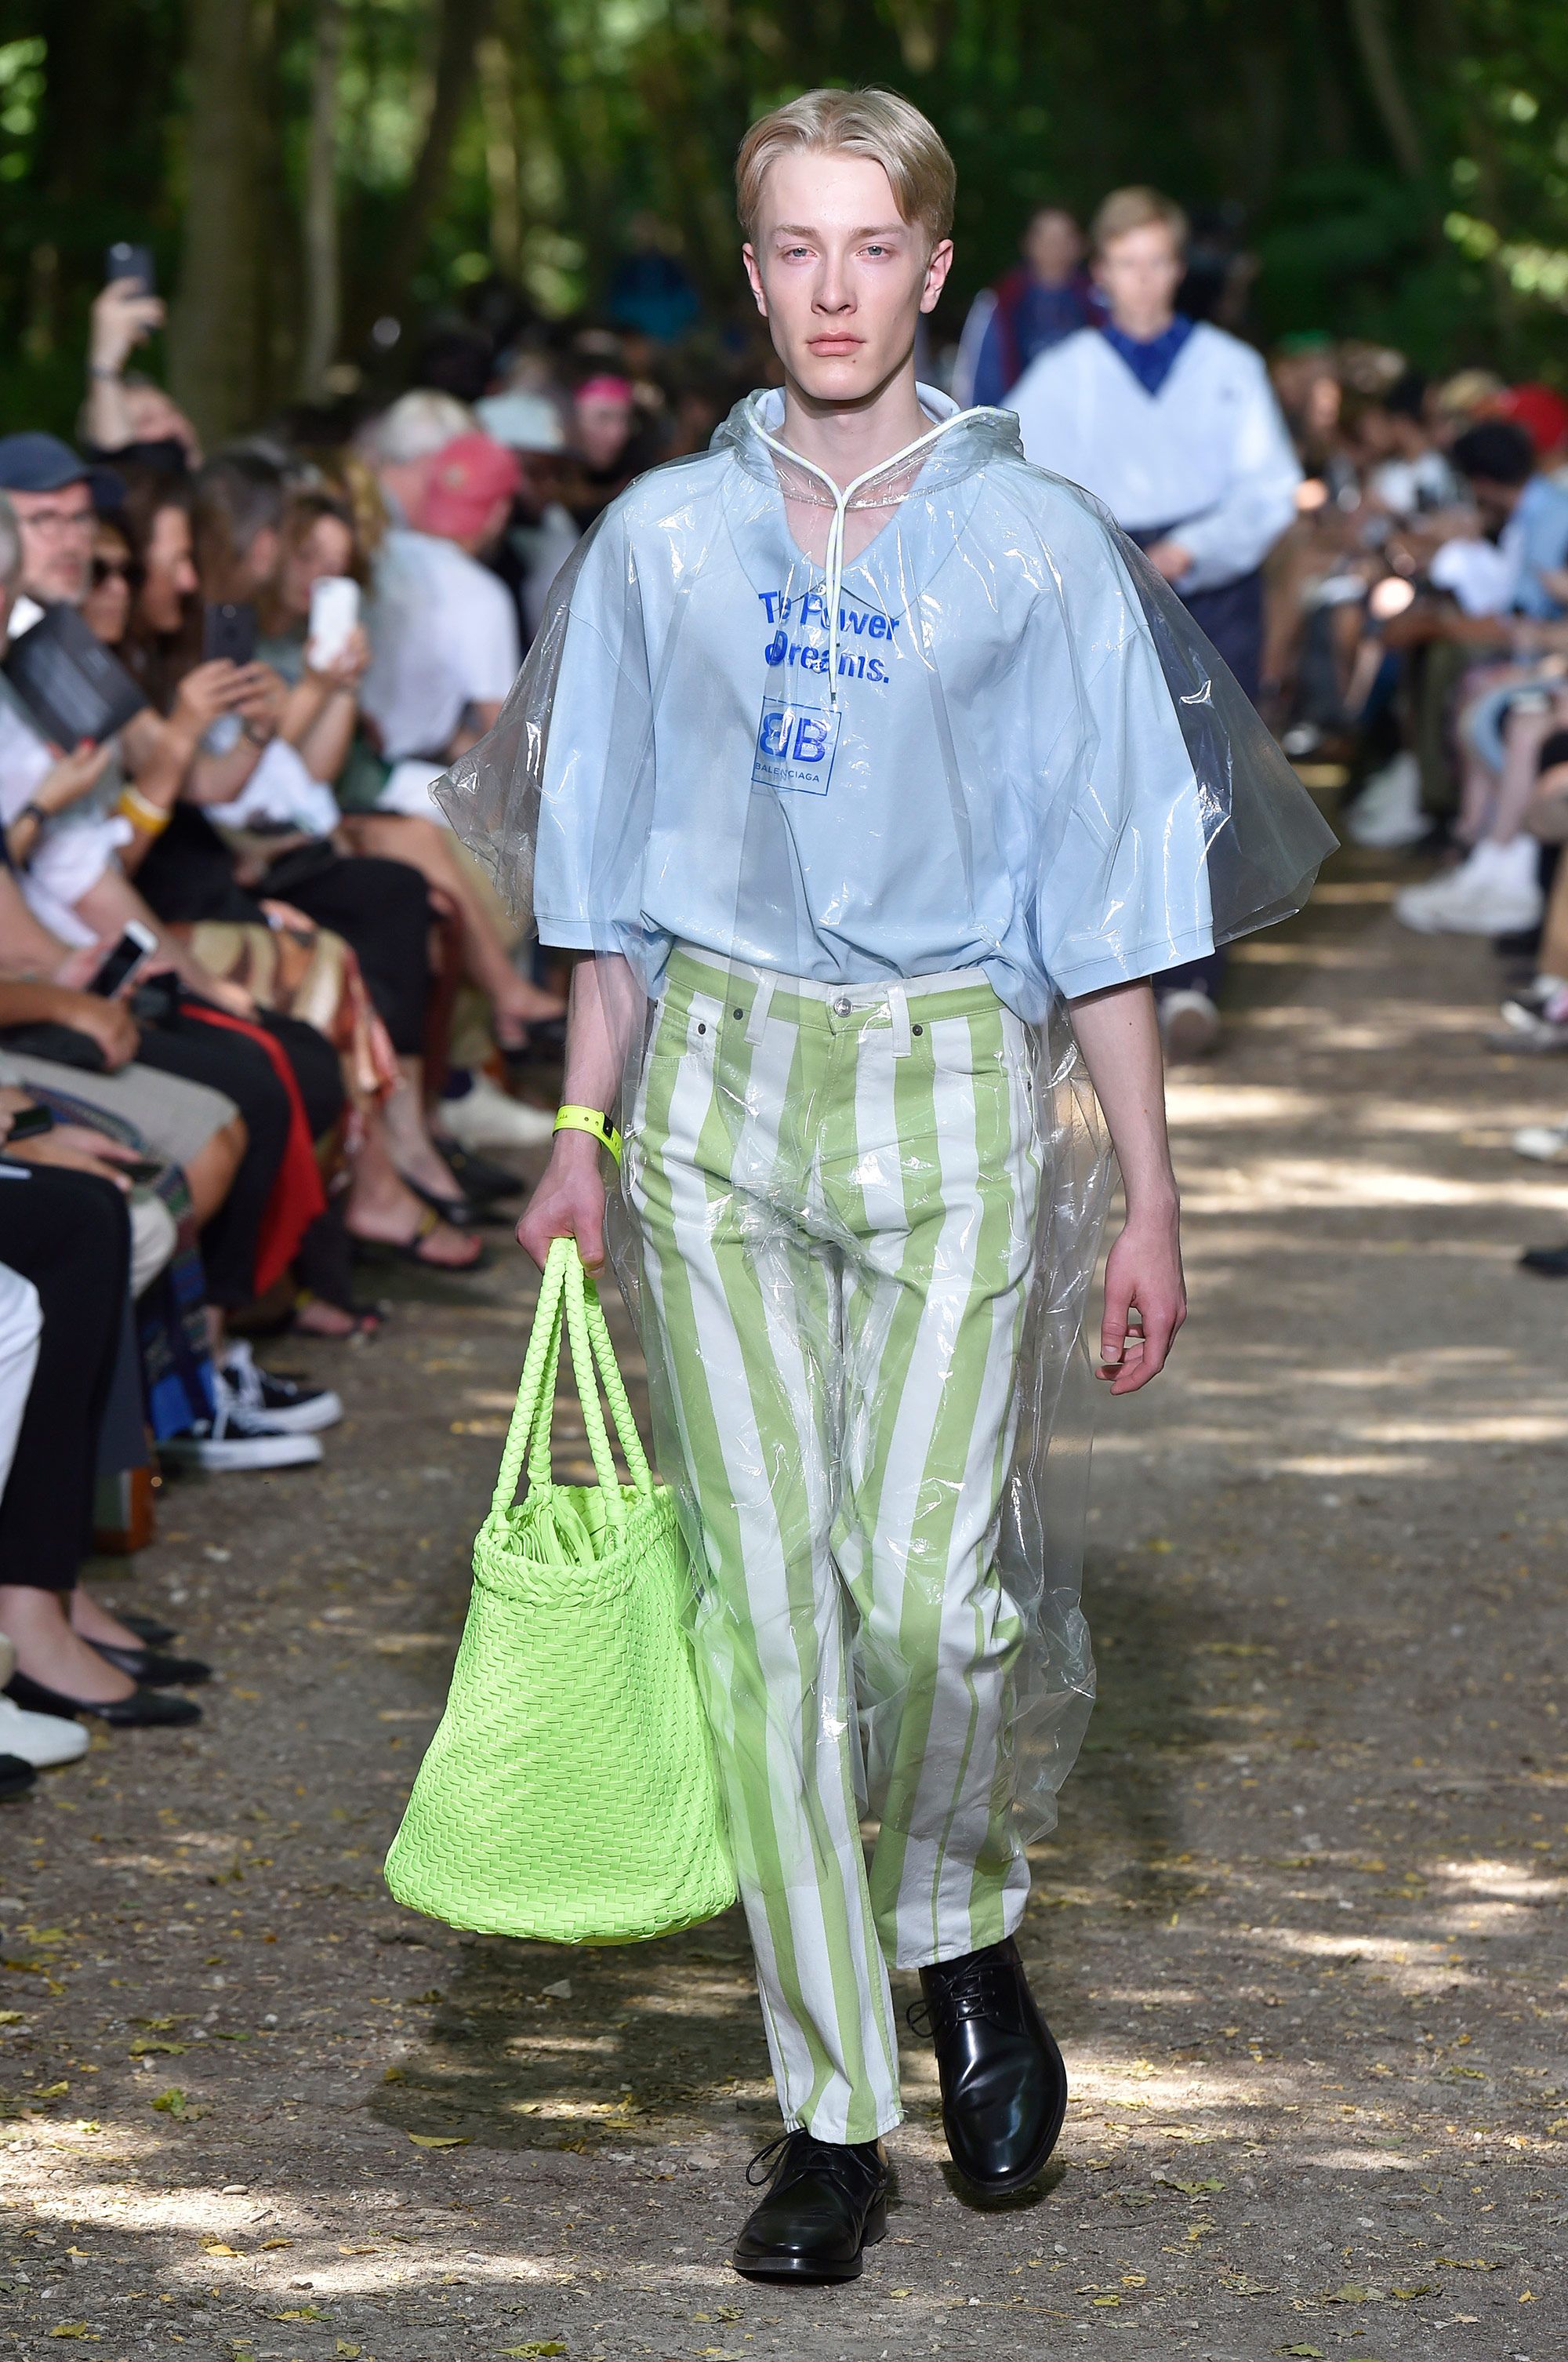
[263, 1400]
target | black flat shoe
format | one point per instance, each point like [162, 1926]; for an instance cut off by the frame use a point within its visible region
[16, 1777]
[1552, 1262]
[1004, 2088]
[148, 1631]
[140, 1711]
[152, 1671]
[827, 2201]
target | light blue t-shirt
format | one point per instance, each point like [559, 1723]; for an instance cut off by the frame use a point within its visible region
[1005, 778]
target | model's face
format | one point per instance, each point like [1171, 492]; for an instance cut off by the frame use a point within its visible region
[57, 543]
[1053, 247]
[327, 549]
[1140, 272]
[170, 575]
[839, 276]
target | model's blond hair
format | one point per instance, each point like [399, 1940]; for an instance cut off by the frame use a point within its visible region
[1135, 209]
[878, 124]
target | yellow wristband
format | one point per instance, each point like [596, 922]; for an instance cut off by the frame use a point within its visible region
[149, 819]
[590, 1120]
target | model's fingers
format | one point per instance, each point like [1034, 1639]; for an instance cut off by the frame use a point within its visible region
[1114, 1323]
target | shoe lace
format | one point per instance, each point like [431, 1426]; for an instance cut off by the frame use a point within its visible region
[976, 1988]
[799, 2152]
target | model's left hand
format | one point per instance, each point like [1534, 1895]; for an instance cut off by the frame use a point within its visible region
[1143, 1278]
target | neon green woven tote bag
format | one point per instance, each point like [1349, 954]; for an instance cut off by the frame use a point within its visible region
[569, 1793]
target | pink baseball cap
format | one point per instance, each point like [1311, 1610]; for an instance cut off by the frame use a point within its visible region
[467, 476]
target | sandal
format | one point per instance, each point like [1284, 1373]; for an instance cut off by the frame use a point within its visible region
[407, 1250]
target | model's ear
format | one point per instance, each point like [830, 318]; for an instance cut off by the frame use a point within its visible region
[748, 256]
[936, 272]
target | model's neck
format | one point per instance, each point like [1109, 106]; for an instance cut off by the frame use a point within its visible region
[848, 439]
[1142, 326]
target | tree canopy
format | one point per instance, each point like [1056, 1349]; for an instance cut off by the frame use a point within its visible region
[305, 169]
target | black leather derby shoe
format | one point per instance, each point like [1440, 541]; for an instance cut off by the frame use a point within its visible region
[1004, 2088]
[826, 2201]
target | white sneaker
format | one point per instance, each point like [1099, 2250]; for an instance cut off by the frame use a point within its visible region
[1493, 892]
[487, 1116]
[40, 1739]
[1388, 812]
[1547, 1143]
[1189, 1025]
[273, 1404]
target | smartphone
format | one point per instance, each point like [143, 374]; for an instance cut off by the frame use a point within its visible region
[334, 614]
[228, 630]
[127, 261]
[28, 1123]
[133, 950]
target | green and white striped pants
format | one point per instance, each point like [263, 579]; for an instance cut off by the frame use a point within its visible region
[836, 1189]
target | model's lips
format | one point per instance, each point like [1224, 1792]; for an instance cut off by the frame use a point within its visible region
[836, 344]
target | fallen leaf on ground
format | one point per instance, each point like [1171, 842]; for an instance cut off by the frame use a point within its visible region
[73, 2329]
[1468, 2263]
[302, 2312]
[218, 2247]
[1311, 2353]
[539, 2345]
[439, 2140]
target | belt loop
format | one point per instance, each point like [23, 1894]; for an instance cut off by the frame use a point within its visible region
[762, 1000]
[898, 1003]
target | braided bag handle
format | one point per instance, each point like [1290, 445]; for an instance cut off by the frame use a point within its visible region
[568, 1300]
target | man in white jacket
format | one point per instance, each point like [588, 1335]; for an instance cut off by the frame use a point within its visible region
[1173, 424]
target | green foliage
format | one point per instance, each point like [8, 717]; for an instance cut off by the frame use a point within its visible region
[568, 117]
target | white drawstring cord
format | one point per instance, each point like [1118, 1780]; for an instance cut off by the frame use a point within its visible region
[840, 500]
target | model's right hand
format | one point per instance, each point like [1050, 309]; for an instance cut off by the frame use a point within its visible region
[568, 1203]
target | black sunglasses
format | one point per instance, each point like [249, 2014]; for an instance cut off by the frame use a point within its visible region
[126, 568]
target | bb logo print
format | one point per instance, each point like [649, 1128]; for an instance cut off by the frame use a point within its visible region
[795, 747]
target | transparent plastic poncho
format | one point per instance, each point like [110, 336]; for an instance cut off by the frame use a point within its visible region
[945, 720]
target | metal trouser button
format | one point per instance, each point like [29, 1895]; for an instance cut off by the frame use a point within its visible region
[841, 1007]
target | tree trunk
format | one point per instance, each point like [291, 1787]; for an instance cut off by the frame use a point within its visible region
[1370, 26]
[323, 286]
[213, 332]
[464, 24]
[499, 91]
